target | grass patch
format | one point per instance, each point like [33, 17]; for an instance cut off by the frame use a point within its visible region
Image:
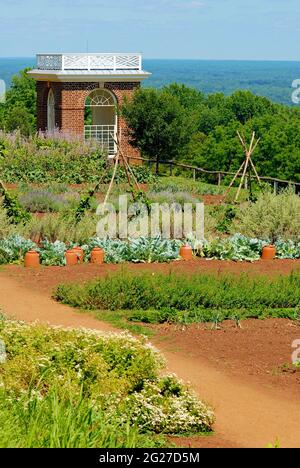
[196, 187]
[54, 422]
[124, 320]
[179, 183]
[156, 298]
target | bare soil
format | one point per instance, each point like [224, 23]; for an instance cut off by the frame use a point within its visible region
[213, 199]
[259, 352]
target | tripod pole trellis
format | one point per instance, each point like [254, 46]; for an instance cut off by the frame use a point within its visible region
[245, 165]
[129, 173]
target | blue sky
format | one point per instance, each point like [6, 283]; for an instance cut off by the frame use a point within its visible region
[202, 29]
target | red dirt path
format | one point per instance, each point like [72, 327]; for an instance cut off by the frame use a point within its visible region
[239, 371]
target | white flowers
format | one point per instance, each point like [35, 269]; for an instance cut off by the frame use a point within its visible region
[119, 372]
[157, 409]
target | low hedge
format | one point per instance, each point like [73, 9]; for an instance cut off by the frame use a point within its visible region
[158, 297]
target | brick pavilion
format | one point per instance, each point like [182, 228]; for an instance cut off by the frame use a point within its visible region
[79, 94]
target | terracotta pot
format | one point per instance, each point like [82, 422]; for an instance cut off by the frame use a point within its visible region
[71, 258]
[80, 253]
[32, 259]
[268, 252]
[97, 255]
[186, 252]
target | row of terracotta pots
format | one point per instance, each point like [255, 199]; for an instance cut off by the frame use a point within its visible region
[73, 257]
[76, 255]
[268, 252]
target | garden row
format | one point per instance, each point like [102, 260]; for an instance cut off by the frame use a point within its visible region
[43, 160]
[62, 388]
[142, 250]
[156, 298]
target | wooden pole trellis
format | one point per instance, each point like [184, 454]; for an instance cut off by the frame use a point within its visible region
[132, 181]
[246, 166]
[85, 202]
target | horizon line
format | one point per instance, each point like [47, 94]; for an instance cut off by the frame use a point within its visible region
[174, 58]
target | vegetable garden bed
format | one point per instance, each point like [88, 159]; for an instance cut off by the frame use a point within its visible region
[145, 250]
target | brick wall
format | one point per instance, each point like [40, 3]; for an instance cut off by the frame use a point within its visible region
[69, 107]
[42, 90]
[122, 90]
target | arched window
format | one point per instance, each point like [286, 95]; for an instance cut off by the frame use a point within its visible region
[51, 112]
[100, 98]
[101, 119]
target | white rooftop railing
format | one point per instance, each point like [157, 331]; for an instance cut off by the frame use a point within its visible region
[89, 62]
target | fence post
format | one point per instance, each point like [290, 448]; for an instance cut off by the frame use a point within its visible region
[219, 179]
[157, 167]
[194, 175]
[275, 187]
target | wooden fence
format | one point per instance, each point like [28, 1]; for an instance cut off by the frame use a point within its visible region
[218, 174]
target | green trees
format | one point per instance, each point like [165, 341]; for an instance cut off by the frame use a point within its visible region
[245, 106]
[278, 153]
[18, 118]
[19, 110]
[160, 124]
[182, 123]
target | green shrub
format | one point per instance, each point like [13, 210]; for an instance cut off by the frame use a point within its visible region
[45, 201]
[42, 160]
[98, 364]
[14, 211]
[80, 388]
[271, 217]
[224, 216]
[177, 293]
[171, 408]
[55, 227]
[6, 228]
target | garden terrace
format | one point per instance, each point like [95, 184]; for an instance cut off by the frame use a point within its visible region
[234, 367]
